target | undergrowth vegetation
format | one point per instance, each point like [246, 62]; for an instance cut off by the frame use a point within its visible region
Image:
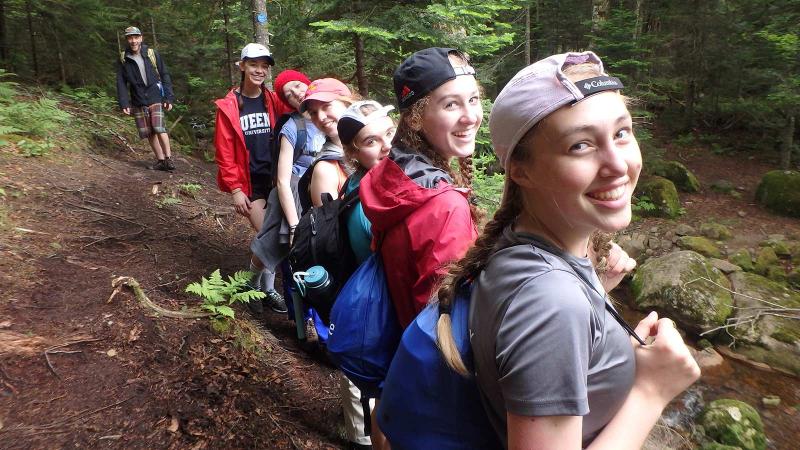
[218, 295]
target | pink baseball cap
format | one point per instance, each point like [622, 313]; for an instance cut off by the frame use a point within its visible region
[537, 91]
[324, 90]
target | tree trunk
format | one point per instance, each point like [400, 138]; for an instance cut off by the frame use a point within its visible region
[3, 39]
[787, 142]
[260, 33]
[33, 41]
[153, 27]
[228, 50]
[637, 28]
[60, 54]
[599, 16]
[527, 36]
[361, 77]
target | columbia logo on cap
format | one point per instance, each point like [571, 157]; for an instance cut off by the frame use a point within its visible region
[598, 84]
[406, 93]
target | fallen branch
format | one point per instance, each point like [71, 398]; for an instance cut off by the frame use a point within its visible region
[54, 349]
[138, 292]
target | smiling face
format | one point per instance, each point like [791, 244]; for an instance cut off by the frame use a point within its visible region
[583, 167]
[134, 42]
[294, 92]
[255, 71]
[325, 115]
[452, 116]
[373, 142]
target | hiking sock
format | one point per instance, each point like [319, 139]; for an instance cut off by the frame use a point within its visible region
[257, 275]
[267, 280]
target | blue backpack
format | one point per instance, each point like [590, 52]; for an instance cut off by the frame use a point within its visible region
[364, 331]
[425, 404]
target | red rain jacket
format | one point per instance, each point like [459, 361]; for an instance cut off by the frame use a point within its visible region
[420, 231]
[233, 159]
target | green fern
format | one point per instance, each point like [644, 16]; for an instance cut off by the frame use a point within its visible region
[219, 294]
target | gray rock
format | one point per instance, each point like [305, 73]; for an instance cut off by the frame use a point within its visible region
[661, 284]
[633, 244]
[724, 266]
[685, 230]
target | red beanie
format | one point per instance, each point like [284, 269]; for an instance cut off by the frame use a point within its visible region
[287, 76]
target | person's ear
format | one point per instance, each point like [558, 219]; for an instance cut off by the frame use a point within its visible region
[521, 174]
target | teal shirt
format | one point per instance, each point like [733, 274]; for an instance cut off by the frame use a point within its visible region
[359, 228]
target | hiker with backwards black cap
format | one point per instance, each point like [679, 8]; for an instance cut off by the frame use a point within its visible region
[556, 365]
[144, 89]
[242, 136]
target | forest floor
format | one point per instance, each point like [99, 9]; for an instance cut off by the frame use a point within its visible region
[78, 369]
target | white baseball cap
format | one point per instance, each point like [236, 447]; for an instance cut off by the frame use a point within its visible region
[253, 51]
[353, 120]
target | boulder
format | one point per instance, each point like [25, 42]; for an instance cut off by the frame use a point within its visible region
[735, 423]
[676, 172]
[685, 230]
[700, 245]
[769, 339]
[723, 186]
[724, 266]
[778, 245]
[634, 244]
[661, 284]
[715, 231]
[779, 192]
[742, 259]
[765, 260]
[664, 196]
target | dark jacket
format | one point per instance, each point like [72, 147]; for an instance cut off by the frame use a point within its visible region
[131, 90]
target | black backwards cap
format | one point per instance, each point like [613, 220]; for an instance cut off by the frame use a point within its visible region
[425, 71]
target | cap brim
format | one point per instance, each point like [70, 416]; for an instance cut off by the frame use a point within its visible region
[324, 97]
[269, 59]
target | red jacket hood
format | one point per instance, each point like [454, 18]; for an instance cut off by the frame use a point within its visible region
[388, 195]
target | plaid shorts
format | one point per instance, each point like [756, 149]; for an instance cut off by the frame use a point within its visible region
[149, 119]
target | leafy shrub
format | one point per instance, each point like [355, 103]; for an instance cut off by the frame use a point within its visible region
[487, 186]
[168, 200]
[218, 294]
[190, 189]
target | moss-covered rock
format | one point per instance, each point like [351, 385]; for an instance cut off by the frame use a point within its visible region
[676, 172]
[664, 196]
[770, 339]
[734, 423]
[723, 186]
[743, 259]
[715, 231]
[794, 277]
[700, 245]
[675, 285]
[765, 259]
[718, 446]
[778, 245]
[779, 192]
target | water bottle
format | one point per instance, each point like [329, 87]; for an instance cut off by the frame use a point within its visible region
[319, 291]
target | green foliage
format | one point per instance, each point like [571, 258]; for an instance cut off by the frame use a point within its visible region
[168, 200]
[218, 294]
[190, 189]
[643, 204]
[487, 184]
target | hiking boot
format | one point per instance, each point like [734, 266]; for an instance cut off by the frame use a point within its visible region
[169, 164]
[275, 301]
[160, 165]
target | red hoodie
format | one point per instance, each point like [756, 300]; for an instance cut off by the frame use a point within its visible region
[421, 229]
[233, 159]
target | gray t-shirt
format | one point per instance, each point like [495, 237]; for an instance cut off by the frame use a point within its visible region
[315, 139]
[140, 62]
[543, 342]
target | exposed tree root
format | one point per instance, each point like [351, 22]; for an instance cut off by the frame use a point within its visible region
[120, 282]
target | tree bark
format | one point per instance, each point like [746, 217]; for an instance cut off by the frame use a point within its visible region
[787, 142]
[3, 39]
[637, 27]
[60, 54]
[599, 15]
[153, 27]
[32, 33]
[260, 33]
[361, 77]
[527, 36]
[228, 50]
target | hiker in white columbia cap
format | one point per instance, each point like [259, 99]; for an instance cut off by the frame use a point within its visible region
[144, 89]
[556, 365]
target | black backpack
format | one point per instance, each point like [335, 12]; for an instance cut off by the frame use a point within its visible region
[321, 239]
[299, 143]
[304, 184]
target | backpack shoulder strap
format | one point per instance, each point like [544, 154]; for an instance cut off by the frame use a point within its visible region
[151, 54]
[300, 141]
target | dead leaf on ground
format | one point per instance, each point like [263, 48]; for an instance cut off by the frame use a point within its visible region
[79, 263]
[134, 334]
[111, 353]
[173, 425]
[155, 189]
[5, 324]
